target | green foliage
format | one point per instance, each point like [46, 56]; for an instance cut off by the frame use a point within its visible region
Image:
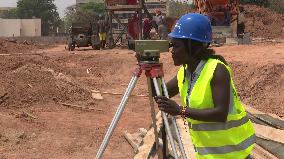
[85, 13]
[277, 6]
[9, 14]
[263, 3]
[44, 9]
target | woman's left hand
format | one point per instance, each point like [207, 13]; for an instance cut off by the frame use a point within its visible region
[168, 105]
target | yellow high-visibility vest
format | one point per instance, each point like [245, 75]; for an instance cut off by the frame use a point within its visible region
[233, 139]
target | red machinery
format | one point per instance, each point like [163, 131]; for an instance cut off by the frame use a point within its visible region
[218, 10]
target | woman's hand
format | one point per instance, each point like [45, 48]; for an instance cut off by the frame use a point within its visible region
[168, 105]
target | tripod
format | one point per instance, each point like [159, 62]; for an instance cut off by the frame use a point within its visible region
[153, 71]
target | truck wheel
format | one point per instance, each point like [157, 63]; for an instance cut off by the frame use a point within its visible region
[71, 46]
[96, 47]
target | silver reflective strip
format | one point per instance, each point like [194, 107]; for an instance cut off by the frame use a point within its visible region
[218, 126]
[227, 149]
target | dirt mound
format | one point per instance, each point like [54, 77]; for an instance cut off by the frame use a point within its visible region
[31, 81]
[10, 47]
[264, 23]
[261, 86]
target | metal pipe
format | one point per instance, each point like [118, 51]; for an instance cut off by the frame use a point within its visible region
[153, 112]
[117, 116]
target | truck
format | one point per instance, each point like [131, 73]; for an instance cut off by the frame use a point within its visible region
[82, 35]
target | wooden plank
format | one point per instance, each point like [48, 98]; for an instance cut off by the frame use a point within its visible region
[260, 153]
[80, 107]
[186, 139]
[254, 111]
[148, 140]
[275, 148]
[274, 122]
[130, 140]
[269, 133]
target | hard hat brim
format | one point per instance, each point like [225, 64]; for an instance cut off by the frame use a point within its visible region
[172, 35]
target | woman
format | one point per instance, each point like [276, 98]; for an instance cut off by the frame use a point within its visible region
[218, 124]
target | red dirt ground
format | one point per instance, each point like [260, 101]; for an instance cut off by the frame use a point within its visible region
[37, 83]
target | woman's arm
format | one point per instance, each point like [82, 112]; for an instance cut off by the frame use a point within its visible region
[172, 87]
[220, 85]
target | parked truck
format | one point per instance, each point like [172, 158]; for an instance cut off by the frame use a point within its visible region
[82, 35]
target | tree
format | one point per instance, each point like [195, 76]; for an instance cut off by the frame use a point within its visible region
[262, 3]
[85, 13]
[44, 9]
[277, 6]
[9, 14]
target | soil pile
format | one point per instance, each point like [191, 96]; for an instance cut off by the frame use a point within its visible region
[261, 86]
[258, 75]
[11, 47]
[263, 23]
[33, 80]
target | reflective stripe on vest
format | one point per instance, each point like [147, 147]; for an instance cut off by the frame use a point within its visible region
[218, 126]
[227, 149]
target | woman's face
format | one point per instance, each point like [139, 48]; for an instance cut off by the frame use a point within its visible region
[179, 54]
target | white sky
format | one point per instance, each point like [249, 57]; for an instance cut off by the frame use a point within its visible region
[61, 4]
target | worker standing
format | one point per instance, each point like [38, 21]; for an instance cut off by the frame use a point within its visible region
[102, 29]
[218, 123]
[147, 26]
[241, 23]
[133, 26]
[162, 29]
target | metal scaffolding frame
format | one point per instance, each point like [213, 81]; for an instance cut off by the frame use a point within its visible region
[137, 8]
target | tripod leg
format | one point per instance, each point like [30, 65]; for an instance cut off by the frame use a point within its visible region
[174, 122]
[153, 115]
[117, 116]
[166, 122]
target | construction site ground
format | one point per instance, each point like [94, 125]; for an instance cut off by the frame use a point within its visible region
[47, 109]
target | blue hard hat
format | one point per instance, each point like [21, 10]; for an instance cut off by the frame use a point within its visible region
[193, 26]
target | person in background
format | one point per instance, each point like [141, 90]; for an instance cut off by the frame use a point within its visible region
[147, 26]
[227, 15]
[102, 30]
[241, 23]
[133, 26]
[161, 23]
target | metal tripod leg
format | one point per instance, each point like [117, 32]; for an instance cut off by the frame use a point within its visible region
[117, 116]
[166, 122]
[174, 122]
[153, 114]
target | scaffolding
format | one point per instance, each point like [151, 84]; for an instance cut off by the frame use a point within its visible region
[113, 6]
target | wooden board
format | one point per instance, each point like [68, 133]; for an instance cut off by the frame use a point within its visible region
[185, 138]
[269, 133]
[148, 140]
[260, 153]
[274, 148]
[254, 111]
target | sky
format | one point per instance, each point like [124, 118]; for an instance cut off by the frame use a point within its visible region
[61, 4]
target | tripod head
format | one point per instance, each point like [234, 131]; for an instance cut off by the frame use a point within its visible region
[149, 50]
